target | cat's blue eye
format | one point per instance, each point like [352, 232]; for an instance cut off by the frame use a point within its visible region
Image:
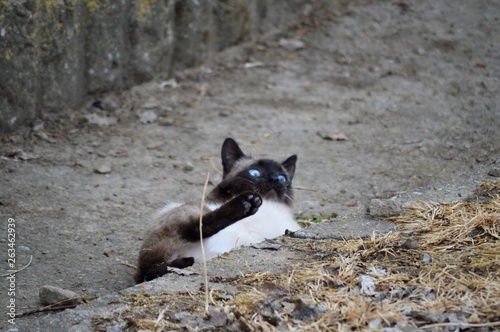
[281, 178]
[254, 172]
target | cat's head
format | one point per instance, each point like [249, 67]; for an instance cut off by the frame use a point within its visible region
[271, 179]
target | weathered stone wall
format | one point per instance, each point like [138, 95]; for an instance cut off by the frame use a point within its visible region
[54, 53]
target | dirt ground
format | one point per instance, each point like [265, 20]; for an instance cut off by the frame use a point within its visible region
[383, 98]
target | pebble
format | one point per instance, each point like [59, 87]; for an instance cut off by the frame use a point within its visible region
[291, 44]
[52, 295]
[186, 167]
[147, 117]
[383, 208]
[304, 310]
[103, 169]
[494, 170]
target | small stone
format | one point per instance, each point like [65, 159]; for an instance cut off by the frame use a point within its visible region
[103, 169]
[304, 310]
[186, 167]
[426, 258]
[165, 122]
[52, 295]
[383, 208]
[101, 121]
[291, 44]
[150, 106]
[269, 245]
[494, 170]
[147, 117]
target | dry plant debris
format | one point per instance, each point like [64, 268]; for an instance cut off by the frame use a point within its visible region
[438, 271]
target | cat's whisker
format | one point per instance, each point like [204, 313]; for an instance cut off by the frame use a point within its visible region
[289, 197]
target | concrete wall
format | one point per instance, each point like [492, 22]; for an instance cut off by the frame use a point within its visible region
[54, 53]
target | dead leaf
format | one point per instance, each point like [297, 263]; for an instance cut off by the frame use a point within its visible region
[181, 272]
[165, 122]
[202, 89]
[156, 147]
[333, 136]
[267, 245]
[271, 288]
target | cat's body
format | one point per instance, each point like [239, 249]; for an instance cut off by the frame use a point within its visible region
[252, 203]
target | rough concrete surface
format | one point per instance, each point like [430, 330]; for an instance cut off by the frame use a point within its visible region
[53, 54]
[412, 85]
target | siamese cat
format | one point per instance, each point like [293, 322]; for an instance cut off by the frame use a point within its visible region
[252, 203]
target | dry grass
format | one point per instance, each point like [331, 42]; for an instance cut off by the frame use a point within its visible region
[438, 271]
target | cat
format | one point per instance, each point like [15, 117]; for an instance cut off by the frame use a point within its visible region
[253, 202]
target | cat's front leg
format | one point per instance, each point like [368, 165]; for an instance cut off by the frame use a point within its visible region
[240, 207]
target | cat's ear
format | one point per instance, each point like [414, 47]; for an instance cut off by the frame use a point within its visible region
[231, 153]
[289, 165]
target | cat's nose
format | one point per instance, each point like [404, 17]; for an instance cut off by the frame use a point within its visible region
[274, 179]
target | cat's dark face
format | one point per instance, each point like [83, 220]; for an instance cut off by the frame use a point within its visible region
[271, 179]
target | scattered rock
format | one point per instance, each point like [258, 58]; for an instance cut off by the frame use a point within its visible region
[268, 244]
[147, 117]
[291, 44]
[17, 155]
[333, 136]
[495, 170]
[171, 83]
[249, 65]
[305, 311]
[186, 167]
[219, 318]
[52, 295]
[150, 106]
[426, 258]
[165, 122]
[101, 121]
[38, 125]
[367, 285]
[103, 169]
[44, 137]
[383, 208]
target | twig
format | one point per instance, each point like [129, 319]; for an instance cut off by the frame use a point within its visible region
[161, 315]
[15, 271]
[48, 308]
[128, 264]
[214, 166]
[304, 188]
[201, 243]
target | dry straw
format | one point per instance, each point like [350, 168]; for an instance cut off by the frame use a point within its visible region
[437, 271]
